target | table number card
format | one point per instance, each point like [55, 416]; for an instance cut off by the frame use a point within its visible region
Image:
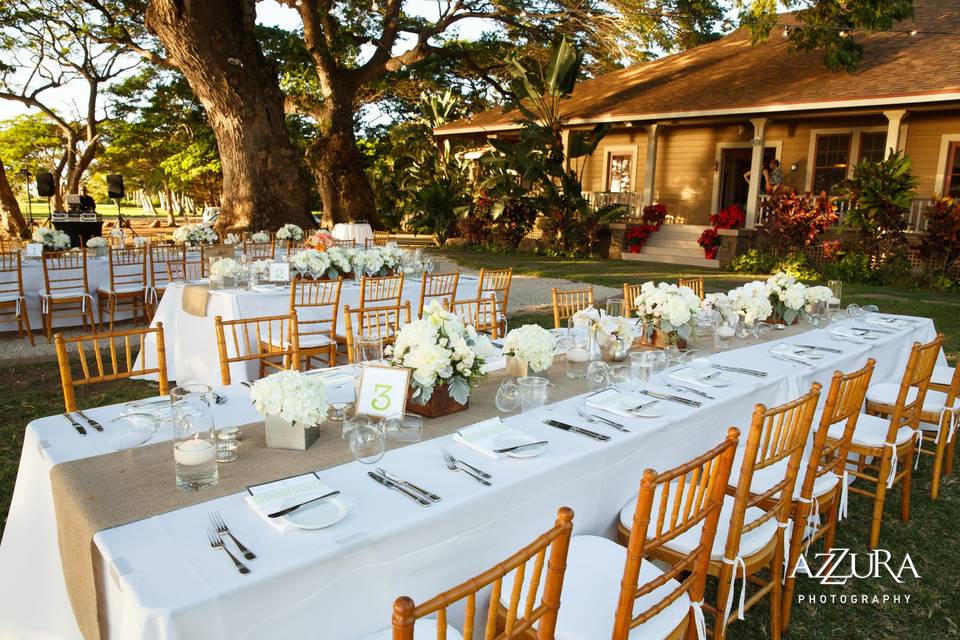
[279, 272]
[382, 391]
[34, 250]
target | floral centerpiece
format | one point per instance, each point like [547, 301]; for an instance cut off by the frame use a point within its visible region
[446, 357]
[290, 233]
[668, 311]
[318, 265]
[393, 256]
[339, 260]
[787, 297]
[293, 405]
[614, 334]
[320, 239]
[231, 238]
[194, 235]
[368, 262]
[528, 347]
[99, 246]
[260, 269]
[752, 302]
[227, 271]
[117, 233]
[52, 239]
[260, 237]
[817, 296]
[140, 241]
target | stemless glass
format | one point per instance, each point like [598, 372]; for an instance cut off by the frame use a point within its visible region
[615, 307]
[725, 333]
[870, 309]
[195, 437]
[367, 443]
[407, 427]
[369, 349]
[579, 345]
[533, 392]
[836, 286]
[641, 365]
[762, 330]
[623, 380]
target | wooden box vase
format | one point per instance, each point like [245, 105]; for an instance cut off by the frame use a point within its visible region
[440, 404]
[661, 340]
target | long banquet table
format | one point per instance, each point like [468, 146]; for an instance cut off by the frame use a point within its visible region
[191, 345]
[161, 580]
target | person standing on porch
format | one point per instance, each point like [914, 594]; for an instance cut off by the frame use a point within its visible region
[771, 178]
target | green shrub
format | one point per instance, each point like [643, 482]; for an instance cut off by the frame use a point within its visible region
[754, 261]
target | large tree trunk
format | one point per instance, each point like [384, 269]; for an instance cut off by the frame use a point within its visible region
[13, 222]
[212, 42]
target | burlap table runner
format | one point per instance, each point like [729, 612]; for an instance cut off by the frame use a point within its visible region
[195, 298]
[110, 490]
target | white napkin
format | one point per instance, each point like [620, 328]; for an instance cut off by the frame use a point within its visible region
[612, 401]
[693, 377]
[481, 437]
[333, 377]
[494, 363]
[793, 352]
[271, 497]
[847, 334]
[890, 323]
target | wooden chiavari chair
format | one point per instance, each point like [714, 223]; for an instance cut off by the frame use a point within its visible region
[441, 286]
[938, 420]
[567, 303]
[520, 619]
[118, 363]
[497, 282]
[482, 314]
[13, 302]
[941, 381]
[823, 490]
[208, 251]
[887, 441]
[66, 289]
[630, 293]
[161, 255]
[612, 592]
[316, 303]
[259, 250]
[184, 270]
[381, 238]
[376, 322]
[750, 538]
[381, 289]
[128, 283]
[264, 339]
[695, 283]
[345, 244]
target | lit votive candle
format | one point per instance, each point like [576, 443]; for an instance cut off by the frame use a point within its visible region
[725, 331]
[578, 355]
[195, 451]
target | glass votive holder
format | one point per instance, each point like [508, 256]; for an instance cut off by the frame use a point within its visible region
[228, 442]
[725, 334]
[533, 392]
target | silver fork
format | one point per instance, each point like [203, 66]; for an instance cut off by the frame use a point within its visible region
[594, 419]
[217, 543]
[452, 464]
[221, 528]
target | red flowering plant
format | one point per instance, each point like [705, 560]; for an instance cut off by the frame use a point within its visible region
[795, 220]
[636, 236]
[732, 217]
[654, 215]
[710, 241]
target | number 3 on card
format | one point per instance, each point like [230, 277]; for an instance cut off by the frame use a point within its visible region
[382, 390]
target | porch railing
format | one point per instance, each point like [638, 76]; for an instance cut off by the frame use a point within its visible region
[916, 218]
[631, 200]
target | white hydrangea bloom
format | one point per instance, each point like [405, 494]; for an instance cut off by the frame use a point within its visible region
[291, 395]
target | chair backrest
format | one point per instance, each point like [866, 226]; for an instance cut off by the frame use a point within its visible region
[260, 250]
[345, 244]
[567, 303]
[11, 274]
[128, 266]
[315, 302]
[482, 314]
[843, 404]
[776, 441]
[378, 322]
[695, 283]
[259, 339]
[685, 496]
[497, 282]
[630, 293]
[519, 622]
[438, 285]
[952, 390]
[65, 270]
[915, 382]
[178, 271]
[105, 357]
[381, 238]
[381, 289]
[161, 255]
[208, 251]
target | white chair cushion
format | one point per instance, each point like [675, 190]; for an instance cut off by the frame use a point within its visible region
[125, 288]
[750, 542]
[821, 485]
[764, 478]
[871, 431]
[9, 297]
[887, 392]
[314, 340]
[591, 588]
[63, 293]
[942, 375]
[422, 628]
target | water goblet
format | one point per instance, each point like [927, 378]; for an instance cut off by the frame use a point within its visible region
[533, 392]
[641, 365]
[869, 309]
[854, 311]
[598, 374]
[131, 430]
[367, 443]
[508, 396]
[615, 307]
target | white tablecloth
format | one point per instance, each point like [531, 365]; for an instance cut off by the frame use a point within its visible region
[191, 340]
[359, 233]
[164, 581]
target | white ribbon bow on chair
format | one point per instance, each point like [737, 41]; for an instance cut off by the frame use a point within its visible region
[738, 561]
[698, 620]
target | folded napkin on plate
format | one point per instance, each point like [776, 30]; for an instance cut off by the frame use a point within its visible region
[894, 323]
[333, 377]
[612, 401]
[848, 334]
[195, 298]
[793, 352]
[481, 437]
[274, 496]
[268, 288]
[694, 377]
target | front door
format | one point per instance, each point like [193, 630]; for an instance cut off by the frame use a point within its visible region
[734, 163]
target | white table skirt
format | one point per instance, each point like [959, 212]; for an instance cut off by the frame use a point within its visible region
[359, 233]
[164, 581]
[190, 340]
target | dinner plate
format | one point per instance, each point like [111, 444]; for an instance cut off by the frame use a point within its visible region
[719, 380]
[654, 410]
[319, 515]
[515, 438]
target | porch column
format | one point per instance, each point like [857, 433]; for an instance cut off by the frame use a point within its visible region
[650, 168]
[756, 169]
[894, 118]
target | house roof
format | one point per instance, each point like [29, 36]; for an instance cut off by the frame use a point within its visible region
[732, 76]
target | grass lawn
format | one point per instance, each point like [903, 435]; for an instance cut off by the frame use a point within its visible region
[33, 391]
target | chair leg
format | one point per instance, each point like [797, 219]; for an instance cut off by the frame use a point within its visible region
[723, 590]
[776, 596]
[48, 323]
[878, 499]
[25, 319]
[938, 456]
[790, 582]
[948, 467]
[830, 524]
[906, 483]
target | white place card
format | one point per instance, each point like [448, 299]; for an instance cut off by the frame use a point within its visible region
[382, 391]
[34, 249]
[279, 272]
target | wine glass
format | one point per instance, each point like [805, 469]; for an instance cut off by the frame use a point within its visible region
[598, 374]
[132, 430]
[854, 311]
[508, 396]
[367, 443]
[406, 427]
[368, 348]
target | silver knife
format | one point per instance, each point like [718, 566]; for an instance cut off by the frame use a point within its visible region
[884, 331]
[817, 348]
[680, 387]
[427, 494]
[667, 396]
[584, 432]
[283, 512]
[76, 425]
[749, 372]
[539, 443]
[390, 484]
[93, 423]
[613, 423]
